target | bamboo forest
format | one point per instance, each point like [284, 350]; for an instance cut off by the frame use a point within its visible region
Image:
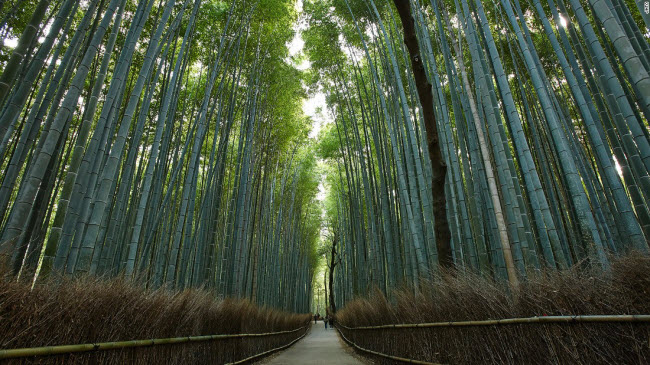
[438, 181]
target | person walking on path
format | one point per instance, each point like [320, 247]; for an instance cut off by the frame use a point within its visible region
[331, 320]
[316, 318]
[327, 318]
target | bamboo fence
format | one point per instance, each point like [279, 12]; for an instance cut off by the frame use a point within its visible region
[104, 346]
[626, 318]
[490, 322]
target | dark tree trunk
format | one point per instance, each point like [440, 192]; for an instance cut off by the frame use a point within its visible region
[325, 285]
[438, 165]
[331, 280]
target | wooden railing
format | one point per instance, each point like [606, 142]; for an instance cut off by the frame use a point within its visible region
[104, 346]
[489, 322]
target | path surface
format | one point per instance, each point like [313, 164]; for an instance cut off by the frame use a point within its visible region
[320, 346]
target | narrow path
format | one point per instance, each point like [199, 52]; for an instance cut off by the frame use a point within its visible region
[320, 346]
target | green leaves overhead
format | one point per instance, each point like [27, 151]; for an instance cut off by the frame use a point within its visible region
[530, 99]
[179, 156]
[166, 141]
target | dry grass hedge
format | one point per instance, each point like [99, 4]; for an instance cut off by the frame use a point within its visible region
[87, 310]
[623, 290]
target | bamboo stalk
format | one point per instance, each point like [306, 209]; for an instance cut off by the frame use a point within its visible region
[629, 318]
[102, 346]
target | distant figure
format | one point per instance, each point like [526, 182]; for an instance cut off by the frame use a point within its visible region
[331, 320]
[326, 320]
[316, 317]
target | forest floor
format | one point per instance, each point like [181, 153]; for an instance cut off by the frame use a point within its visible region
[321, 347]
